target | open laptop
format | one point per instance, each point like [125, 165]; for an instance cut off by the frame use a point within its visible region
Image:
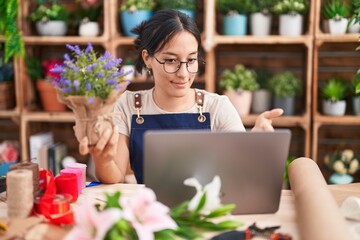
[250, 166]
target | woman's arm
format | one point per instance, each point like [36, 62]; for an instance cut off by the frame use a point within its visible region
[111, 156]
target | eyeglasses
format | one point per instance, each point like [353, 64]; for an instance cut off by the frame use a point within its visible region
[173, 65]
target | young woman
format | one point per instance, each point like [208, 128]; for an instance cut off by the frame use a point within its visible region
[168, 48]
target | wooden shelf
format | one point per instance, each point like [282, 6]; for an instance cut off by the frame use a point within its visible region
[9, 113]
[337, 120]
[285, 121]
[48, 116]
[329, 38]
[274, 39]
[46, 40]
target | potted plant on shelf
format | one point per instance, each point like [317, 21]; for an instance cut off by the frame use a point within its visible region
[333, 93]
[285, 86]
[133, 12]
[291, 16]
[356, 94]
[238, 85]
[90, 86]
[261, 100]
[39, 72]
[235, 16]
[344, 164]
[261, 17]
[50, 18]
[336, 13]
[87, 17]
[354, 21]
[186, 6]
[7, 89]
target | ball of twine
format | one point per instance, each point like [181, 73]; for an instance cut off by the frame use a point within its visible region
[34, 168]
[19, 191]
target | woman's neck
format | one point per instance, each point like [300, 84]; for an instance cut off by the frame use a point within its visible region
[171, 103]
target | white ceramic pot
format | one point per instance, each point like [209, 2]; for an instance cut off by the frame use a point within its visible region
[131, 69]
[261, 101]
[356, 105]
[89, 29]
[241, 100]
[51, 28]
[260, 24]
[334, 108]
[338, 27]
[291, 24]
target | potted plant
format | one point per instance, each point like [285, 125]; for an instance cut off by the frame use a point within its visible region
[7, 89]
[235, 16]
[186, 6]
[354, 21]
[261, 17]
[91, 91]
[344, 164]
[133, 12]
[87, 17]
[40, 73]
[261, 97]
[238, 85]
[285, 86]
[336, 13]
[333, 93]
[291, 16]
[50, 18]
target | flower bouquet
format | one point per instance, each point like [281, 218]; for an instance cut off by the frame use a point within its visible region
[90, 85]
[344, 164]
[143, 217]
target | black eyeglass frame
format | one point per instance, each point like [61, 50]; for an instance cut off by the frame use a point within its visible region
[179, 66]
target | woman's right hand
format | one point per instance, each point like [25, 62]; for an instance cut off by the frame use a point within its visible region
[105, 148]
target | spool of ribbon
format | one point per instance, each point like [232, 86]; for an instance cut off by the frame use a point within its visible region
[34, 168]
[19, 190]
[82, 167]
[350, 208]
[78, 174]
[53, 207]
[67, 183]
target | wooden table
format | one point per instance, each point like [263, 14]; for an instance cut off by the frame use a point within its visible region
[285, 217]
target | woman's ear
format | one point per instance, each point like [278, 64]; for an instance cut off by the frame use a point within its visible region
[146, 57]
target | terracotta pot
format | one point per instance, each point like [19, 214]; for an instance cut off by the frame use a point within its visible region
[48, 96]
[241, 100]
[92, 119]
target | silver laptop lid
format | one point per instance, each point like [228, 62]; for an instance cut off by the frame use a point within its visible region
[250, 165]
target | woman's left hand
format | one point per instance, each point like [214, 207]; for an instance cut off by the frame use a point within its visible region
[264, 120]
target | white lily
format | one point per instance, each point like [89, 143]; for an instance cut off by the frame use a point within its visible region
[212, 191]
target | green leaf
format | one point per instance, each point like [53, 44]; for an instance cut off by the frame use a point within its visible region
[221, 211]
[112, 200]
[229, 224]
[179, 210]
[201, 203]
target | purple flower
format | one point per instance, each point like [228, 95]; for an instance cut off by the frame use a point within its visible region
[77, 50]
[67, 82]
[118, 87]
[88, 48]
[70, 47]
[91, 67]
[111, 81]
[74, 68]
[66, 90]
[88, 87]
[90, 100]
[67, 57]
[100, 75]
[76, 84]
[106, 55]
[57, 69]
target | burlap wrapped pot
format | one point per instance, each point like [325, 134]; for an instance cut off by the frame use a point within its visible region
[92, 119]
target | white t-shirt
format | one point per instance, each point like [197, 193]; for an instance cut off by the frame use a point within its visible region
[223, 115]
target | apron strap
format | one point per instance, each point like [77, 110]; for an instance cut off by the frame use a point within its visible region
[199, 98]
[138, 105]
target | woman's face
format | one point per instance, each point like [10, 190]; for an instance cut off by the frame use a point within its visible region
[182, 47]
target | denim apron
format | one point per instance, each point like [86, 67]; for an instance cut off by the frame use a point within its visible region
[176, 121]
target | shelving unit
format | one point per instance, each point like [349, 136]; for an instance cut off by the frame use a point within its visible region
[303, 55]
[333, 56]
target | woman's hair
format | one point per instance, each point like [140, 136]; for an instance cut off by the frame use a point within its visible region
[154, 33]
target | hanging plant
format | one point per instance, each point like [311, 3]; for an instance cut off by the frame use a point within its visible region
[9, 28]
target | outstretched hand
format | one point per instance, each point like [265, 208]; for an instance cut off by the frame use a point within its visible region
[264, 120]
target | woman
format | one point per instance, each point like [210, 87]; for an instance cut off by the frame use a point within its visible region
[168, 48]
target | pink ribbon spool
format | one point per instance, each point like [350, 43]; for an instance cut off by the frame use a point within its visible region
[82, 167]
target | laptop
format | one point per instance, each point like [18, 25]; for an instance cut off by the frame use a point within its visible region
[250, 165]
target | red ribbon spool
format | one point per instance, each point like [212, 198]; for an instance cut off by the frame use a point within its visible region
[67, 183]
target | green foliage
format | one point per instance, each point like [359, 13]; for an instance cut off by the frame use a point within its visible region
[286, 172]
[49, 11]
[356, 83]
[355, 5]
[239, 78]
[335, 9]
[231, 6]
[13, 46]
[178, 4]
[34, 68]
[285, 84]
[262, 77]
[334, 89]
[289, 6]
[264, 6]
[133, 5]
[91, 13]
